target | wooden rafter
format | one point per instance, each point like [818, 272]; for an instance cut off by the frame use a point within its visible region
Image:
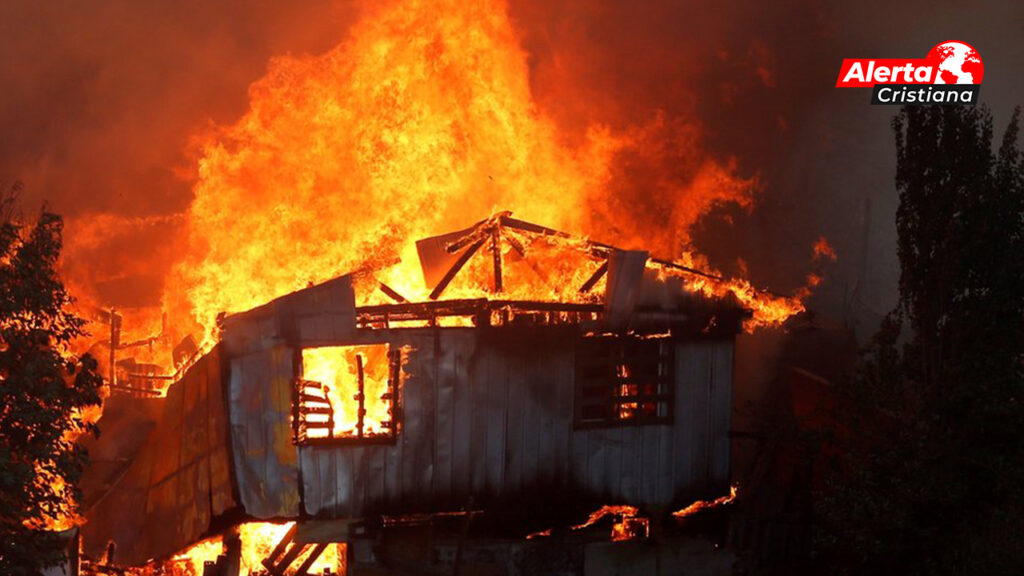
[454, 270]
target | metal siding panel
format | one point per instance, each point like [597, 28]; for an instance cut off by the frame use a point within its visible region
[461, 431]
[562, 419]
[418, 467]
[393, 472]
[702, 428]
[496, 410]
[476, 412]
[547, 464]
[312, 497]
[344, 479]
[360, 458]
[690, 439]
[721, 411]
[221, 491]
[613, 471]
[666, 461]
[443, 408]
[597, 444]
[647, 466]
[375, 479]
[514, 431]
[532, 410]
[266, 462]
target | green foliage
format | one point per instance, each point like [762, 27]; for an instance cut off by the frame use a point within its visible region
[42, 393]
[932, 481]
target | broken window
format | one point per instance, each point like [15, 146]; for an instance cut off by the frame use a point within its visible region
[623, 381]
[347, 392]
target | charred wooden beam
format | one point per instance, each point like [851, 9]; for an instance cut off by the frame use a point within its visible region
[279, 569]
[680, 267]
[531, 227]
[270, 562]
[115, 343]
[360, 396]
[135, 390]
[450, 275]
[496, 257]
[392, 293]
[516, 245]
[303, 569]
[595, 278]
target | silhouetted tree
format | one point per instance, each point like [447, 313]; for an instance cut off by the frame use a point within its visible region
[933, 479]
[43, 391]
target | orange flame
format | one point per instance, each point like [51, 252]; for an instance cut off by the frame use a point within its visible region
[822, 249]
[704, 504]
[628, 525]
[258, 540]
[418, 124]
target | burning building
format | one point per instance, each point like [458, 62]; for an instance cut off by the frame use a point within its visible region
[345, 418]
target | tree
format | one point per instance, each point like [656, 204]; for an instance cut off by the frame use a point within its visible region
[43, 392]
[932, 480]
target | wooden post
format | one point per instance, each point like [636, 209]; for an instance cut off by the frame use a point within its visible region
[115, 342]
[392, 293]
[304, 567]
[496, 256]
[360, 397]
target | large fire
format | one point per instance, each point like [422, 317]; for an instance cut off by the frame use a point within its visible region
[420, 123]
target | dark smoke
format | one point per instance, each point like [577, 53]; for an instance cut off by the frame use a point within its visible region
[759, 78]
[101, 99]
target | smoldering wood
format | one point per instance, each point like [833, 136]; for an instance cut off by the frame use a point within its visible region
[392, 293]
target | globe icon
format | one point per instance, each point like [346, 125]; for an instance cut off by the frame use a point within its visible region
[958, 63]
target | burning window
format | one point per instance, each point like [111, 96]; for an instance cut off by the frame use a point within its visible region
[622, 381]
[347, 392]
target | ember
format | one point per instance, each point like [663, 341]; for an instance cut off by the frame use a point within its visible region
[627, 526]
[704, 504]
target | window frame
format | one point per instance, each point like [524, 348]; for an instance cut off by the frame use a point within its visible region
[599, 363]
[300, 425]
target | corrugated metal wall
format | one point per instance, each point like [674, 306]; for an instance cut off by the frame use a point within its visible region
[488, 414]
[180, 479]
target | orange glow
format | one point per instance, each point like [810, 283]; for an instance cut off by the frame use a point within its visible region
[628, 525]
[822, 249]
[258, 540]
[704, 504]
[336, 368]
[420, 123]
[191, 561]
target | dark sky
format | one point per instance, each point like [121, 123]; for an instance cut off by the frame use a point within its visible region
[102, 99]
